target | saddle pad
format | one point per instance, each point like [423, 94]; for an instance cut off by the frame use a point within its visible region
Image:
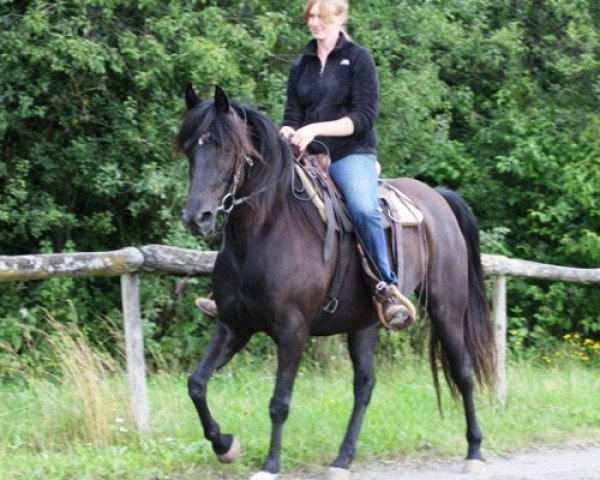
[311, 189]
[401, 208]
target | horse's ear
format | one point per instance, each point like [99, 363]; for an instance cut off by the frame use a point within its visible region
[221, 100]
[191, 99]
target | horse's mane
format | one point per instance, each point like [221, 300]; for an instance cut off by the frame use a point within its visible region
[251, 133]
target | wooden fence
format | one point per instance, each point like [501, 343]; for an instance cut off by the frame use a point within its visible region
[129, 262]
[126, 263]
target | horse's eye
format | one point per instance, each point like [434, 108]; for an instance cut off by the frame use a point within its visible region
[204, 138]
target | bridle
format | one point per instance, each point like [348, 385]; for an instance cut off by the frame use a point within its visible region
[229, 200]
[242, 168]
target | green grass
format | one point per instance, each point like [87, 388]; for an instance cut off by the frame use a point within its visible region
[41, 435]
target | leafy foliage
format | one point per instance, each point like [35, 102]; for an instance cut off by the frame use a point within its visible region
[497, 100]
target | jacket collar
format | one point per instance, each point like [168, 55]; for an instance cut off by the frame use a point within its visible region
[311, 46]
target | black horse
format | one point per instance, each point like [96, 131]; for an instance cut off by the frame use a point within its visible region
[270, 276]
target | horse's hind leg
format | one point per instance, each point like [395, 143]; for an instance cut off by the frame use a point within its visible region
[223, 345]
[461, 371]
[464, 380]
[462, 374]
[463, 377]
[361, 346]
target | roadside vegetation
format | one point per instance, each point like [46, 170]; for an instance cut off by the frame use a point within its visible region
[77, 424]
[500, 101]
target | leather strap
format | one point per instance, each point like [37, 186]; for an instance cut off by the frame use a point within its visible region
[395, 240]
[329, 244]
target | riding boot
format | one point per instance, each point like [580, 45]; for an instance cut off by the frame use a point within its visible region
[207, 306]
[394, 310]
[397, 311]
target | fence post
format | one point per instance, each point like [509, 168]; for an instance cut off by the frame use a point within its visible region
[499, 314]
[134, 349]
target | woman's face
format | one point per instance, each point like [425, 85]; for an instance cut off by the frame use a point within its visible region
[321, 27]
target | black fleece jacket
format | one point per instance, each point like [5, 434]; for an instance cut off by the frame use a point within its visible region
[347, 86]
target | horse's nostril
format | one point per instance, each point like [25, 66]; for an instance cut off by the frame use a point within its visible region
[199, 219]
[204, 217]
[198, 223]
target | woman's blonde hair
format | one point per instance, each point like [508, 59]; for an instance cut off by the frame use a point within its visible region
[327, 8]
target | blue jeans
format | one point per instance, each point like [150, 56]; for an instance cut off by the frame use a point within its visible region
[356, 178]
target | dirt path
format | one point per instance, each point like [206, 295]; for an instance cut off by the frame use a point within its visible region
[570, 463]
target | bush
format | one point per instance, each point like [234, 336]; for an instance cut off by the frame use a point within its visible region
[496, 101]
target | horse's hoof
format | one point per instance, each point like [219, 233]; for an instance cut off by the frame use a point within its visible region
[475, 467]
[232, 454]
[335, 473]
[262, 475]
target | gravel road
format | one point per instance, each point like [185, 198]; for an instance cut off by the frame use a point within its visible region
[569, 463]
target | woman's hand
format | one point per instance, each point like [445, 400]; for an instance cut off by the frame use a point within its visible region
[287, 132]
[303, 136]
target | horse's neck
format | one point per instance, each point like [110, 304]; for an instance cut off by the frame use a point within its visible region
[247, 224]
[269, 215]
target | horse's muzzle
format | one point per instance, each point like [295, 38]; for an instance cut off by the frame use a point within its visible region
[200, 223]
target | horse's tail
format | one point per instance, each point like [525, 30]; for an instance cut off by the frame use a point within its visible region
[478, 329]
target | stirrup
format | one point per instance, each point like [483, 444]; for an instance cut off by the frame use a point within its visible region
[395, 311]
[207, 306]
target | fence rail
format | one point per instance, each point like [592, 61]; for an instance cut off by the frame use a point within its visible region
[129, 262]
[149, 259]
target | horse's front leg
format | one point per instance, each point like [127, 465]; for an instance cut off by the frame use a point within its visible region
[290, 345]
[223, 345]
[361, 346]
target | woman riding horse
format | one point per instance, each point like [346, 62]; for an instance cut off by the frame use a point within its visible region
[332, 96]
[269, 275]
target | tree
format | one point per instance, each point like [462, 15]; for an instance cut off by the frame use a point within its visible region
[496, 100]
